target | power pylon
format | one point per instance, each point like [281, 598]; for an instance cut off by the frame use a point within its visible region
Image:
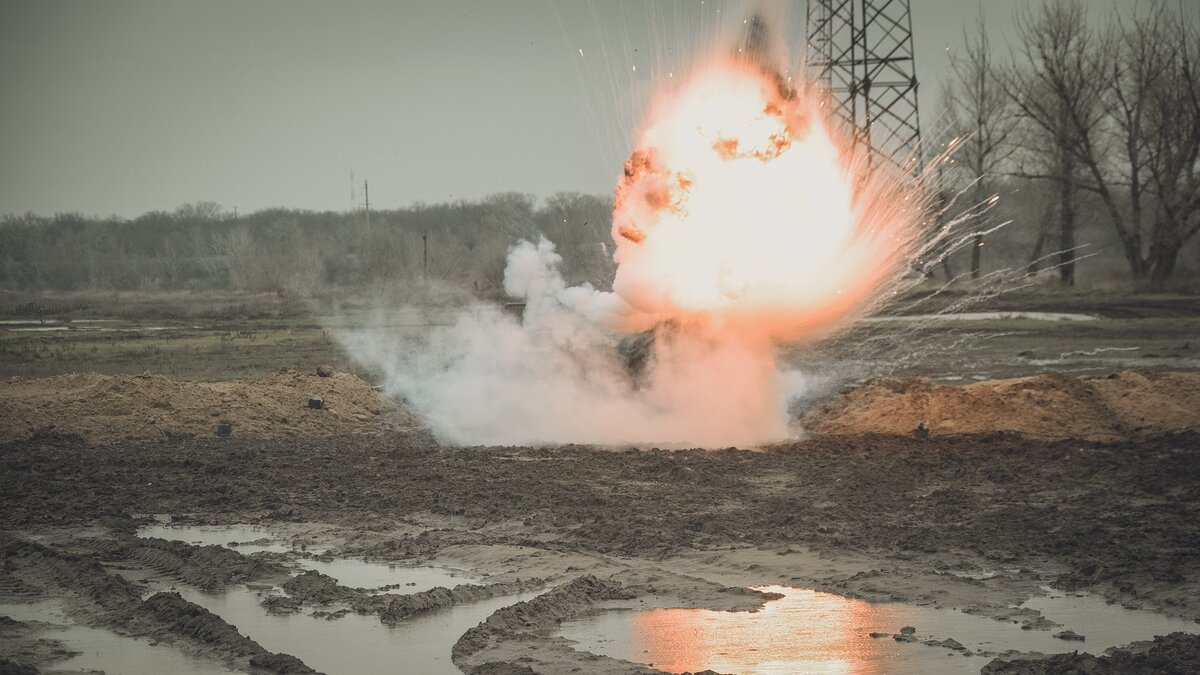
[861, 53]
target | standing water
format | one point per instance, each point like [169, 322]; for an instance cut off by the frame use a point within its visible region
[811, 632]
[353, 643]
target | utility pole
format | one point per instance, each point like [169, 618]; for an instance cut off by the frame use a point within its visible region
[367, 199]
[861, 53]
[425, 254]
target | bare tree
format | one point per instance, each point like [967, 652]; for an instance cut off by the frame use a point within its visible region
[1056, 87]
[1170, 132]
[236, 255]
[982, 116]
[1121, 111]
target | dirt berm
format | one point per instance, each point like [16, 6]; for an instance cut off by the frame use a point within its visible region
[107, 408]
[1048, 405]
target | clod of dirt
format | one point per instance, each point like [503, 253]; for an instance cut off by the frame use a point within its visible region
[1069, 635]
[1049, 405]
[107, 408]
[948, 643]
[325, 370]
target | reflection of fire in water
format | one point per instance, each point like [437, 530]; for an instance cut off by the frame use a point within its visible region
[806, 631]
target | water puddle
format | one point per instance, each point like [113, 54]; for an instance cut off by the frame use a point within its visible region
[363, 643]
[353, 643]
[102, 650]
[244, 538]
[354, 573]
[361, 574]
[811, 632]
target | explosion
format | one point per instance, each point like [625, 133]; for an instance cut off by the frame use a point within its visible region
[737, 207]
[741, 223]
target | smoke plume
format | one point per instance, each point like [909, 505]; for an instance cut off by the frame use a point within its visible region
[741, 223]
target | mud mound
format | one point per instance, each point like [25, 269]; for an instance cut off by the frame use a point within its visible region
[1174, 653]
[395, 608]
[105, 408]
[205, 567]
[314, 588]
[541, 613]
[1049, 405]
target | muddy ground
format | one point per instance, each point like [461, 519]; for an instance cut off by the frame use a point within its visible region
[875, 517]
[1013, 486]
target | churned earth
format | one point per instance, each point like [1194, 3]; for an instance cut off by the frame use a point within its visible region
[973, 518]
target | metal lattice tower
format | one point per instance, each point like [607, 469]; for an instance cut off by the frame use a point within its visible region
[861, 53]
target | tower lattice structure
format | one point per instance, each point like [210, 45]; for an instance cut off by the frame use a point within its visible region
[860, 52]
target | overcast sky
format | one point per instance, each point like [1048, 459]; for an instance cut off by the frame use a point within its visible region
[124, 107]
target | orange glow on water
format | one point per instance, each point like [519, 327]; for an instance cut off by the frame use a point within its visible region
[805, 631]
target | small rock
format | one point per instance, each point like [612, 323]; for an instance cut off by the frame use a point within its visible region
[316, 403]
[225, 429]
[922, 431]
[948, 643]
[1069, 635]
[325, 370]
[908, 630]
[879, 635]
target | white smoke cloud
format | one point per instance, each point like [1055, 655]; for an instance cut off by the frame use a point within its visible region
[741, 222]
[557, 375]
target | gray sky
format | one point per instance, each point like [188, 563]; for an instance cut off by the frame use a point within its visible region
[124, 107]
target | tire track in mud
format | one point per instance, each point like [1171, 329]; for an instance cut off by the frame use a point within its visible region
[208, 568]
[110, 601]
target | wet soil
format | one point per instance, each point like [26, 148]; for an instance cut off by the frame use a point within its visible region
[977, 522]
[1051, 405]
[1174, 654]
[109, 408]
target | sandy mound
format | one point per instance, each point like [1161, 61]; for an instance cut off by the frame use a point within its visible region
[1048, 405]
[105, 408]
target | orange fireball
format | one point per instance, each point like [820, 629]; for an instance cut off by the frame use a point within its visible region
[739, 209]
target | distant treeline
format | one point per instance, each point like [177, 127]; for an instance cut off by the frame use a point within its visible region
[203, 247]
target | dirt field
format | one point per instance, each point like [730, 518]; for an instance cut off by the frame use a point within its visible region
[107, 408]
[998, 458]
[213, 338]
[883, 516]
